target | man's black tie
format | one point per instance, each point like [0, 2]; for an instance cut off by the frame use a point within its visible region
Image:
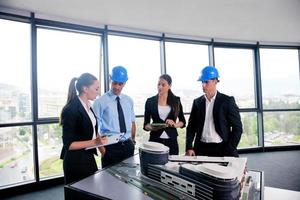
[121, 116]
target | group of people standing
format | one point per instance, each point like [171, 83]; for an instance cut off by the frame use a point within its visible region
[214, 127]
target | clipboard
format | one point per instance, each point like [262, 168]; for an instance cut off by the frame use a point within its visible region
[159, 125]
[111, 139]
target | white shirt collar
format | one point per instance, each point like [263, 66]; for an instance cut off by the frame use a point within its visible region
[86, 106]
[212, 99]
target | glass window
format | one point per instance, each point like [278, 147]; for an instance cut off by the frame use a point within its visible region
[282, 128]
[280, 78]
[249, 137]
[184, 63]
[16, 157]
[61, 56]
[141, 58]
[236, 70]
[50, 145]
[15, 95]
[182, 137]
[141, 135]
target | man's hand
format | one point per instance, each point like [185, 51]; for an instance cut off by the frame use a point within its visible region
[133, 140]
[190, 152]
[102, 151]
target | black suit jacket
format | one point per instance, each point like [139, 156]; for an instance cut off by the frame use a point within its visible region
[227, 123]
[77, 126]
[151, 111]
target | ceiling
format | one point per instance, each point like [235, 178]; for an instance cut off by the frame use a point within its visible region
[275, 21]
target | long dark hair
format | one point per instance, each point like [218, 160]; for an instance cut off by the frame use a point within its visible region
[84, 80]
[172, 100]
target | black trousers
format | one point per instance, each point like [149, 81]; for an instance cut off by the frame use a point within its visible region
[115, 153]
[171, 143]
[210, 149]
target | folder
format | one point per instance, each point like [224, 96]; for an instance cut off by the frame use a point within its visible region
[112, 138]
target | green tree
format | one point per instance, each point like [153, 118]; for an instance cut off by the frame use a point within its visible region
[23, 131]
[271, 123]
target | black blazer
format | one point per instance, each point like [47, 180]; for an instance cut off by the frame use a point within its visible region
[226, 118]
[77, 126]
[151, 111]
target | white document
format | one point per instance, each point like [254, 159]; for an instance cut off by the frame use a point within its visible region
[111, 139]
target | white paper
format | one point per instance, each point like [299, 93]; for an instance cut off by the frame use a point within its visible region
[111, 139]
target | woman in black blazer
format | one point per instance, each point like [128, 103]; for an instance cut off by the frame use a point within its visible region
[165, 108]
[79, 127]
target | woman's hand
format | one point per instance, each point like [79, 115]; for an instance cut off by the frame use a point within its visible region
[170, 123]
[100, 140]
[148, 127]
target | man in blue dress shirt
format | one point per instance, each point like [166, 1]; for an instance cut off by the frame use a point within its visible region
[115, 115]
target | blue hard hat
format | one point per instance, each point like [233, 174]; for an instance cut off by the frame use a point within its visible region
[119, 74]
[208, 73]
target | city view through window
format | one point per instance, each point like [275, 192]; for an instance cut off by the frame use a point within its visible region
[280, 90]
[62, 55]
[16, 152]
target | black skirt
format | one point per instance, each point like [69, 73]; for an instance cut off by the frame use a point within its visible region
[78, 164]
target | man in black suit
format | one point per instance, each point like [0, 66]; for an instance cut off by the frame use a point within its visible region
[215, 124]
